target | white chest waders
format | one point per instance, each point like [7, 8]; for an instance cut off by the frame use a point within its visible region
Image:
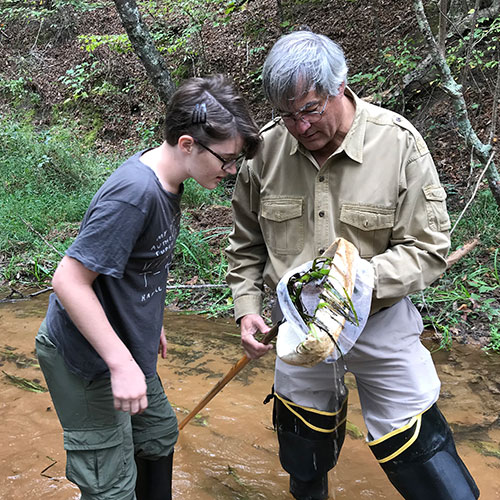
[419, 457]
[323, 321]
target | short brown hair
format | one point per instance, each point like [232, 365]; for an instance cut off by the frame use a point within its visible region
[210, 110]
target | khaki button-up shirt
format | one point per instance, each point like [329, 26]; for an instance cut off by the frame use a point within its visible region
[379, 190]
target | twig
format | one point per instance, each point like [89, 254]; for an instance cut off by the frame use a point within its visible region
[37, 36]
[443, 9]
[496, 97]
[31, 228]
[455, 256]
[34, 294]
[54, 462]
[174, 287]
[2, 32]
[468, 52]
[475, 191]
[10, 297]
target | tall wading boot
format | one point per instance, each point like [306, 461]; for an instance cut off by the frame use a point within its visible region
[309, 445]
[154, 478]
[421, 460]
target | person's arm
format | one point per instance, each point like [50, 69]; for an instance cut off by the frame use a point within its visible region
[420, 239]
[72, 283]
[247, 255]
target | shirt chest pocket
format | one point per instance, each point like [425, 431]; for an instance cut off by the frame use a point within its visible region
[282, 222]
[368, 227]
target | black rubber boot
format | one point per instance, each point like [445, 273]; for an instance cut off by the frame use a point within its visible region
[309, 490]
[309, 445]
[430, 467]
[154, 478]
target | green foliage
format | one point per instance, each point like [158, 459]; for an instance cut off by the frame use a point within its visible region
[177, 27]
[196, 196]
[494, 344]
[48, 178]
[17, 90]
[194, 257]
[199, 259]
[478, 49]
[119, 43]
[84, 80]
[39, 10]
[398, 61]
[469, 290]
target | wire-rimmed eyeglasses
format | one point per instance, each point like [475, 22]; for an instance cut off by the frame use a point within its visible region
[304, 114]
[226, 163]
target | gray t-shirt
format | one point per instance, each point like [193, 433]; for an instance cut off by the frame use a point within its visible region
[128, 236]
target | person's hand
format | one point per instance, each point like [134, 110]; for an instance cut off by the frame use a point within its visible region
[129, 388]
[250, 325]
[162, 349]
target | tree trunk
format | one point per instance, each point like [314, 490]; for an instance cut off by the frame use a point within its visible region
[144, 47]
[454, 90]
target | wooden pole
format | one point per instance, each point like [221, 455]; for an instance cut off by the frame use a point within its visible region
[329, 252]
[236, 368]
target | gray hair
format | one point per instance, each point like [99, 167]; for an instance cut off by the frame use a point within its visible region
[299, 62]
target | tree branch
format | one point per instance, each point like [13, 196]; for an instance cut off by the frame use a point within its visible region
[455, 256]
[454, 90]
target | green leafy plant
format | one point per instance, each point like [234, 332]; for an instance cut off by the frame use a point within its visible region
[398, 61]
[118, 43]
[469, 291]
[494, 344]
[78, 80]
[477, 49]
[48, 179]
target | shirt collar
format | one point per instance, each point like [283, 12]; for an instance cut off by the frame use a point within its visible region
[355, 138]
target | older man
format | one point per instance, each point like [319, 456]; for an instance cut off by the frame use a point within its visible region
[333, 165]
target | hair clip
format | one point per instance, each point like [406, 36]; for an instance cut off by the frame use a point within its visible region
[199, 113]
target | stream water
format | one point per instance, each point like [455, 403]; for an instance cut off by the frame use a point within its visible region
[230, 451]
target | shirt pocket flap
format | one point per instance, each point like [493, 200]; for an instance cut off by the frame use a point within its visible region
[281, 209]
[92, 439]
[434, 192]
[367, 218]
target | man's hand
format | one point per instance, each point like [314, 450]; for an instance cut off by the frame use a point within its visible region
[250, 325]
[129, 388]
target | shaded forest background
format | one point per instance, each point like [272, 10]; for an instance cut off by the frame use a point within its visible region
[68, 64]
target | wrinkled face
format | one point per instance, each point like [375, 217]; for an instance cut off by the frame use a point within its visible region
[206, 167]
[326, 113]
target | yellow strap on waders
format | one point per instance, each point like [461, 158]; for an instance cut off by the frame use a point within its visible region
[289, 404]
[416, 422]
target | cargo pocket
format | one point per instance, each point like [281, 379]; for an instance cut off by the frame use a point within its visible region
[368, 227]
[435, 205]
[95, 458]
[282, 221]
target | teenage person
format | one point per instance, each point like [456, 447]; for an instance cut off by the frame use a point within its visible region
[99, 343]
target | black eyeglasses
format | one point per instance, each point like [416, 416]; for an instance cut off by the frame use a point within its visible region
[305, 115]
[226, 164]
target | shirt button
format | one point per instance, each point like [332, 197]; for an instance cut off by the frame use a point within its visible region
[321, 178]
[365, 223]
[321, 214]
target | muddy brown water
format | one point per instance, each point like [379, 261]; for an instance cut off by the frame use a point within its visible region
[230, 451]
